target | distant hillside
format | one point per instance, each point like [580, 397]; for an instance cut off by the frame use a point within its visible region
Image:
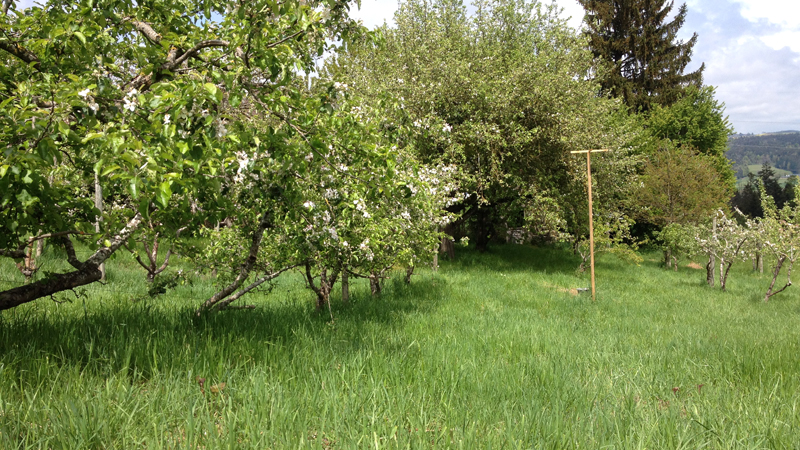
[780, 150]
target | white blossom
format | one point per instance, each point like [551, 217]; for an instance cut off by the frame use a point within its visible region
[308, 204]
[130, 104]
[166, 119]
[84, 93]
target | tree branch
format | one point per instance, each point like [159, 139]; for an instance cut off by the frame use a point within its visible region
[145, 28]
[270, 276]
[244, 269]
[20, 251]
[88, 272]
[72, 258]
[291, 36]
[22, 53]
[199, 46]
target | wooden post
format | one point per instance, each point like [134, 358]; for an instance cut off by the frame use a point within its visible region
[591, 219]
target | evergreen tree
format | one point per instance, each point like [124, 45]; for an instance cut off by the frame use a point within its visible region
[748, 199]
[643, 60]
[770, 182]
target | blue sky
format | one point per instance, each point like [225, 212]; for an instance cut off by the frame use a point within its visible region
[751, 49]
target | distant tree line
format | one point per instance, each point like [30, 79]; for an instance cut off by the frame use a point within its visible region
[748, 199]
[780, 150]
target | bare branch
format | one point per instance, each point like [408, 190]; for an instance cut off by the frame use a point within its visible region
[72, 258]
[145, 28]
[117, 241]
[291, 36]
[270, 276]
[20, 251]
[86, 273]
[199, 46]
[244, 269]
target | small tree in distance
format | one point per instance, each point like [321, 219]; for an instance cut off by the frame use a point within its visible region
[779, 233]
[679, 186]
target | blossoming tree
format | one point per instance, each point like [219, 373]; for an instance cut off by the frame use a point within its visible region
[153, 101]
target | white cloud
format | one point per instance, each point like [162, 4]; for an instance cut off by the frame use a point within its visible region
[373, 13]
[783, 12]
[573, 10]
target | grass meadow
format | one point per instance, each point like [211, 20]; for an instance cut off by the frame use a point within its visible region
[493, 351]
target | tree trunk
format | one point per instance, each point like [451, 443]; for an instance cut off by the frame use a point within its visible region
[667, 258]
[326, 284]
[87, 272]
[409, 272]
[375, 284]
[723, 278]
[711, 260]
[710, 266]
[245, 268]
[447, 247]
[483, 229]
[721, 271]
[775, 274]
[675, 263]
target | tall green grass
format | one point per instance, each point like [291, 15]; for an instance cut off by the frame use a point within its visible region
[493, 351]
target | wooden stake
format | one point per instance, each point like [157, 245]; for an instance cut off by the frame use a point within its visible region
[591, 219]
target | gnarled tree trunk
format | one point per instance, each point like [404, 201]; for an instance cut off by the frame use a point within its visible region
[86, 272]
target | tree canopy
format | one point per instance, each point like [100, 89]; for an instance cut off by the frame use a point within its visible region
[187, 113]
[504, 94]
[643, 62]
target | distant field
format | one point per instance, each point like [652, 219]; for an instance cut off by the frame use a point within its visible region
[494, 351]
[754, 168]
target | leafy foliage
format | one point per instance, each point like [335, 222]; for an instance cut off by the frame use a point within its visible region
[189, 114]
[503, 94]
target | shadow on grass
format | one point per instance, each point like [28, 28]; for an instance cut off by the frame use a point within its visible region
[515, 258]
[108, 336]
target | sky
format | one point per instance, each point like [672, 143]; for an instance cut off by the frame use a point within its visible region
[751, 49]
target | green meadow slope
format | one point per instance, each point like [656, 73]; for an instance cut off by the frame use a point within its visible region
[494, 351]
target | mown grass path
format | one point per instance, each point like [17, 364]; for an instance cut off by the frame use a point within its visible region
[493, 351]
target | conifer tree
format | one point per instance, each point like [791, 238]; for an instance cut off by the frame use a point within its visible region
[644, 62]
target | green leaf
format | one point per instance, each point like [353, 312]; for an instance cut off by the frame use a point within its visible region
[212, 89]
[164, 194]
[91, 136]
[80, 37]
[108, 170]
